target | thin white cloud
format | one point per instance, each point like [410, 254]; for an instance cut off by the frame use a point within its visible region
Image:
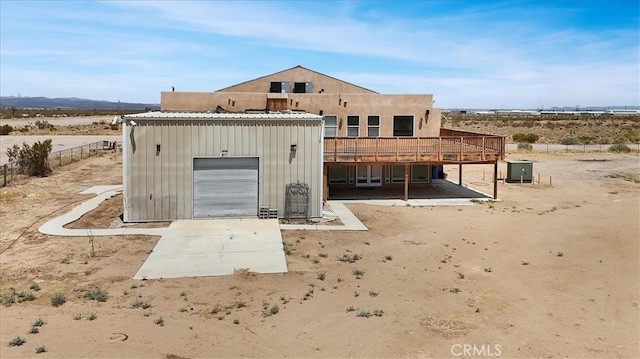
[480, 54]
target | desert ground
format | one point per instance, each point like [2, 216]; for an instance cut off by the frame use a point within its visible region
[547, 271]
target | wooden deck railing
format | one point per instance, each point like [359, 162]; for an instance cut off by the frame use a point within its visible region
[463, 147]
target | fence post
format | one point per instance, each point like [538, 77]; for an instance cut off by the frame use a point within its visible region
[5, 174]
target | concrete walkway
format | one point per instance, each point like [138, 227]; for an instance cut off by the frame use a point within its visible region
[54, 227]
[212, 247]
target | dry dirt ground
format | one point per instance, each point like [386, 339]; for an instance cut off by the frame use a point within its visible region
[547, 272]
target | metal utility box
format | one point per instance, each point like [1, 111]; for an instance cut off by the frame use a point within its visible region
[516, 169]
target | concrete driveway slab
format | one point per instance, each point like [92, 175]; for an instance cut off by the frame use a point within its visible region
[212, 247]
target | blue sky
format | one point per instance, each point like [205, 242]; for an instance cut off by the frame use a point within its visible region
[469, 54]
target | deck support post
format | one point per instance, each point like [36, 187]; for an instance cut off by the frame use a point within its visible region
[325, 182]
[495, 180]
[406, 182]
[460, 174]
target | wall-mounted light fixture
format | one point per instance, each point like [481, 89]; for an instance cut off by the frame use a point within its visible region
[294, 148]
[345, 104]
[158, 150]
[224, 153]
[321, 112]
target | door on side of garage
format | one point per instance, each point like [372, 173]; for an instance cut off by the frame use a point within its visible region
[225, 187]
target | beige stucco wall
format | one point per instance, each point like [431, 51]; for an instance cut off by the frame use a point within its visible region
[298, 74]
[361, 104]
[160, 187]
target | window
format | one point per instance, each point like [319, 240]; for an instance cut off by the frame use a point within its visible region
[279, 87]
[403, 125]
[353, 126]
[302, 87]
[419, 174]
[397, 174]
[330, 126]
[337, 174]
[373, 126]
[276, 87]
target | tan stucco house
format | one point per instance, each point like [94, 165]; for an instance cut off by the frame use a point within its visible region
[370, 139]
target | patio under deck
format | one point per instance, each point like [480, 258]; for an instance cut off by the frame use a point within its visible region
[452, 147]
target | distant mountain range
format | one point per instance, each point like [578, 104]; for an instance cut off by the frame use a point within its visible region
[72, 103]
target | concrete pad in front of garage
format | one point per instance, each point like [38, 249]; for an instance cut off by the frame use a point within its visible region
[212, 247]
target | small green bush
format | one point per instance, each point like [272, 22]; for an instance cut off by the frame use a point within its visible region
[570, 141]
[97, 295]
[17, 341]
[619, 148]
[58, 299]
[5, 130]
[139, 303]
[528, 138]
[159, 321]
[34, 286]
[525, 147]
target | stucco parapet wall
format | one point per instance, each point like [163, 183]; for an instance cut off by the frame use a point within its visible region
[223, 116]
[55, 227]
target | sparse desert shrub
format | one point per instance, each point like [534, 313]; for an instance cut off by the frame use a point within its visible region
[41, 349]
[378, 312]
[321, 275]
[236, 321]
[364, 314]
[91, 316]
[350, 309]
[34, 159]
[619, 148]
[387, 258]
[323, 255]
[8, 298]
[5, 130]
[455, 290]
[34, 286]
[373, 293]
[58, 299]
[525, 147]
[346, 258]
[44, 125]
[570, 141]
[528, 137]
[34, 330]
[25, 297]
[159, 321]
[271, 311]
[17, 341]
[358, 273]
[38, 323]
[97, 295]
[140, 303]
[488, 270]
[240, 304]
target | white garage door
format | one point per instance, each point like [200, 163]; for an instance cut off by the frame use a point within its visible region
[225, 187]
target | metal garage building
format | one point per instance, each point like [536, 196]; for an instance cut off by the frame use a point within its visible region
[202, 165]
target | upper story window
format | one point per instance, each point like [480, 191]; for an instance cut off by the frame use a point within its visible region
[279, 87]
[403, 126]
[353, 126]
[302, 87]
[373, 126]
[330, 126]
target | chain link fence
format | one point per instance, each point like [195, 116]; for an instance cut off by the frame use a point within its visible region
[10, 172]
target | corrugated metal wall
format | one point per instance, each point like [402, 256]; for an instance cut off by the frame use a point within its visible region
[160, 184]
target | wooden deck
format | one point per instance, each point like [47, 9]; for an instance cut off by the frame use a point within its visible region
[451, 147]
